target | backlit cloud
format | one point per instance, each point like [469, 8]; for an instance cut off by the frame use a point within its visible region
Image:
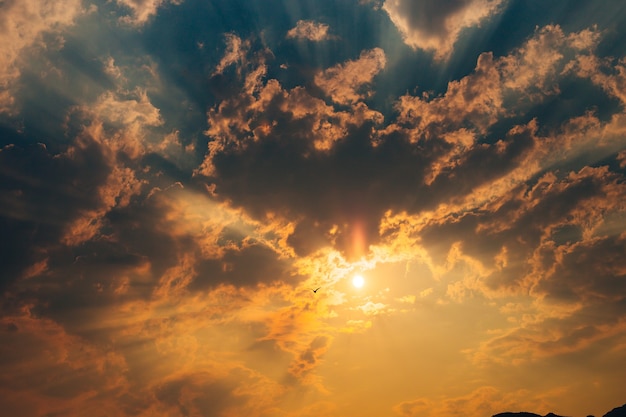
[345, 82]
[236, 51]
[482, 401]
[23, 24]
[142, 10]
[310, 30]
[435, 25]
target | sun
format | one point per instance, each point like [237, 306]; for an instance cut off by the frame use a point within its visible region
[358, 281]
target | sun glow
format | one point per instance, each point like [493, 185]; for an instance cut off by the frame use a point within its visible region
[358, 281]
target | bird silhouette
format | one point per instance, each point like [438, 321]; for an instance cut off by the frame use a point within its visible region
[315, 290]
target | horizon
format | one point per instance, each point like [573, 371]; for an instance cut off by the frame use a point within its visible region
[292, 208]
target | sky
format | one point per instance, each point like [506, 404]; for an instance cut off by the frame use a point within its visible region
[188, 189]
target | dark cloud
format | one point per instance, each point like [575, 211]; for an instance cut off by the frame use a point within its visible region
[43, 194]
[308, 359]
[589, 272]
[250, 265]
[196, 393]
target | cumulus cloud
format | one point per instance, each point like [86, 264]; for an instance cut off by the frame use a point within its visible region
[447, 130]
[612, 78]
[435, 25]
[250, 118]
[499, 87]
[345, 82]
[310, 30]
[117, 126]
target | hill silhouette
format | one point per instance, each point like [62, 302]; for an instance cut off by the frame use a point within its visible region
[524, 414]
[616, 412]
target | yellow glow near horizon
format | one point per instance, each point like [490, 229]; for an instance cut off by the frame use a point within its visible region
[358, 281]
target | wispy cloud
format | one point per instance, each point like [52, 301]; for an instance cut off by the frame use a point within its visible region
[310, 30]
[236, 51]
[482, 401]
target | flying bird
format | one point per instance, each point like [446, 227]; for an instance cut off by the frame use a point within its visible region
[315, 290]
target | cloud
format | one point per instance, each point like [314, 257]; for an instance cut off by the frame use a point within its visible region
[309, 358]
[544, 205]
[22, 25]
[476, 98]
[494, 93]
[530, 212]
[373, 309]
[36, 196]
[344, 82]
[435, 25]
[587, 278]
[485, 400]
[106, 138]
[499, 87]
[310, 30]
[544, 57]
[154, 269]
[612, 78]
[79, 368]
[236, 51]
[537, 244]
[455, 162]
[143, 10]
[136, 109]
[206, 394]
[296, 330]
[118, 126]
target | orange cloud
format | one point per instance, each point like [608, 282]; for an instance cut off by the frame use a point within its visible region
[345, 82]
[612, 78]
[492, 91]
[249, 117]
[308, 29]
[143, 10]
[37, 346]
[485, 400]
[434, 25]
[22, 23]
[236, 51]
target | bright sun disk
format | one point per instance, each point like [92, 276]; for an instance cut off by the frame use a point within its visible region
[358, 281]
